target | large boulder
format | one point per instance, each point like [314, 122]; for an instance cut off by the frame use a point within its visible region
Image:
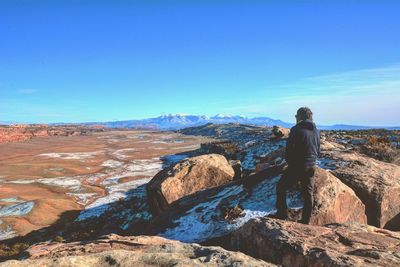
[114, 250]
[292, 244]
[335, 201]
[187, 177]
[280, 132]
[376, 183]
[218, 211]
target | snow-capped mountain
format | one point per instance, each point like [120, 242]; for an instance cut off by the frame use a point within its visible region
[179, 121]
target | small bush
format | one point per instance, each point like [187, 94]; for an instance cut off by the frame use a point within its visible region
[13, 250]
[59, 239]
[380, 148]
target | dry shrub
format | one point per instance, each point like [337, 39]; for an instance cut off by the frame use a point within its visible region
[380, 148]
[13, 250]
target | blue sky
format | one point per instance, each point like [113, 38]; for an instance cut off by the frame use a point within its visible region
[74, 61]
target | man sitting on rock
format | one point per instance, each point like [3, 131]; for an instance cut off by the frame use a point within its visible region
[302, 150]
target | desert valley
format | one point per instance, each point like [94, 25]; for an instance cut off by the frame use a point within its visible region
[73, 192]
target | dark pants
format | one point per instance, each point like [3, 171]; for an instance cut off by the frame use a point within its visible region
[291, 177]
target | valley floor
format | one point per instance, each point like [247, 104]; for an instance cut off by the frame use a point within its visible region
[43, 178]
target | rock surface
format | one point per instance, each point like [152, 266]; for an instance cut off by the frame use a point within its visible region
[292, 244]
[187, 177]
[335, 201]
[206, 214]
[280, 132]
[376, 183]
[20, 133]
[114, 250]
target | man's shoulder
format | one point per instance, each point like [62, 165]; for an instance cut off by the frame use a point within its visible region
[294, 128]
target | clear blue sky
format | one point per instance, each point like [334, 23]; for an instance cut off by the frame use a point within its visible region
[111, 60]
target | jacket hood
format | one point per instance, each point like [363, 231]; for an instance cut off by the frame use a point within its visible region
[307, 124]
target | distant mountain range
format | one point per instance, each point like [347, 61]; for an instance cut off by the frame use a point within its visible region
[180, 121]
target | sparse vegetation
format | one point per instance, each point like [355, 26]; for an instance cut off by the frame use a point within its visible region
[380, 148]
[9, 251]
[59, 239]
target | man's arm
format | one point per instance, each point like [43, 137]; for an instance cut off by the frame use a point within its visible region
[290, 142]
[319, 142]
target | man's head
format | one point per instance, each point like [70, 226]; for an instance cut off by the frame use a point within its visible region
[304, 113]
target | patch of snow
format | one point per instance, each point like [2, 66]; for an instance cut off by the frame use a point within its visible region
[99, 206]
[67, 182]
[72, 156]
[112, 164]
[204, 220]
[137, 136]
[83, 198]
[191, 147]
[11, 200]
[21, 182]
[198, 223]
[120, 153]
[17, 209]
[7, 233]
[115, 193]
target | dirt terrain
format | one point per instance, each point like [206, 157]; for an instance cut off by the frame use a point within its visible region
[42, 178]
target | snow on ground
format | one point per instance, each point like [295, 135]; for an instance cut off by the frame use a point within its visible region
[7, 232]
[138, 136]
[83, 198]
[17, 209]
[120, 153]
[198, 223]
[112, 163]
[11, 200]
[117, 191]
[204, 220]
[191, 147]
[75, 155]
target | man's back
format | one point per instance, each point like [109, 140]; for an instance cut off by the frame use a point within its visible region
[303, 145]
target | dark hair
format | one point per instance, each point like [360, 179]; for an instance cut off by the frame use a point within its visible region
[304, 113]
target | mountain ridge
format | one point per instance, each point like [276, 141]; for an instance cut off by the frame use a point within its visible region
[180, 121]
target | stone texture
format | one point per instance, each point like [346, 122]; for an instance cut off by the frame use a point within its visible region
[218, 211]
[114, 250]
[376, 183]
[335, 201]
[280, 132]
[187, 177]
[292, 244]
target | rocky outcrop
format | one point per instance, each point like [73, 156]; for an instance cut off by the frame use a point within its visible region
[20, 133]
[335, 201]
[187, 177]
[376, 183]
[280, 132]
[114, 250]
[292, 244]
[218, 211]
[225, 148]
[237, 167]
[275, 157]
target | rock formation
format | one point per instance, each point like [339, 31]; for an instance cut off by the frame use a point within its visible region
[292, 244]
[114, 250]
[187, 177]
[20, 133]
[376, 183]
[225, 148]
[280, 132]
[203, 215]
[335, 201]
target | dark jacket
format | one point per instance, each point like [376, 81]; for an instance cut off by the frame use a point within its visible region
[303, 145]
